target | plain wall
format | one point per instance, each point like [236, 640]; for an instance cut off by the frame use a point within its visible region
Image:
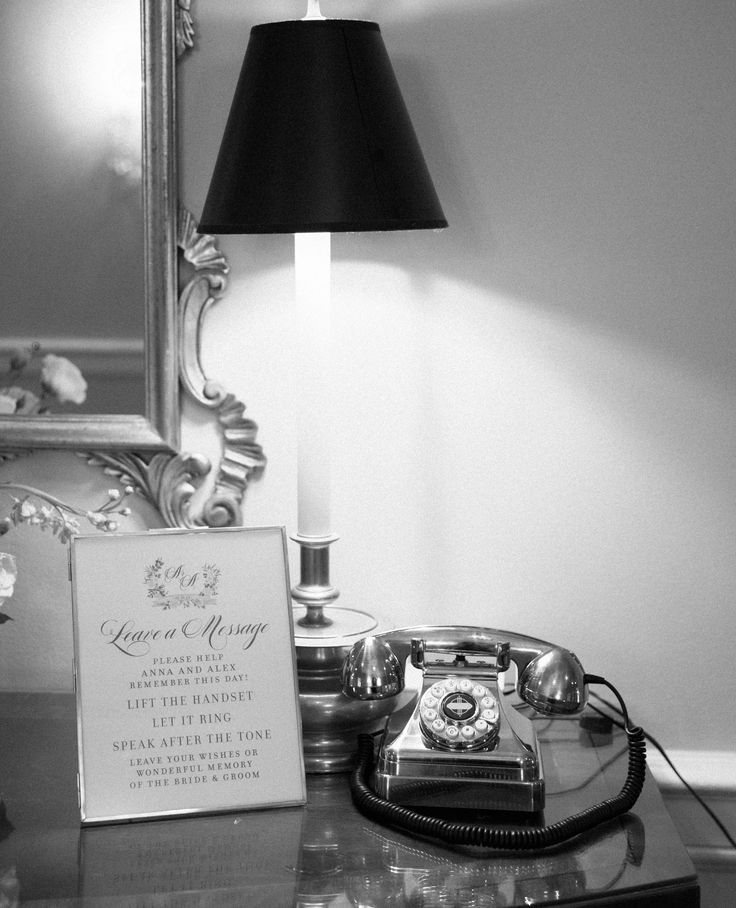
[533, 412]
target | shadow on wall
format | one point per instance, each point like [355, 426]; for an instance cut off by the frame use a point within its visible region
[536, 404]
[583, 153]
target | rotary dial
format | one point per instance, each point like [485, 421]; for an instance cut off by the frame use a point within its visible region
[459, 713]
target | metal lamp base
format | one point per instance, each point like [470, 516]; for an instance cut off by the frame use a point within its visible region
[323, 636]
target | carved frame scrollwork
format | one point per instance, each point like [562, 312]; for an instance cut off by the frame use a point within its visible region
[170, 481]
[242, 457]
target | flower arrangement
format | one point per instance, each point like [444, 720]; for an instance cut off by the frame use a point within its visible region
[59, 380]
[50, 514]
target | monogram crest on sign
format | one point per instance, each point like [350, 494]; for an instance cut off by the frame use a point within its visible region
[177, 585]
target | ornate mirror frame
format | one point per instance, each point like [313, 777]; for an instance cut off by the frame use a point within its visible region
[144, 450]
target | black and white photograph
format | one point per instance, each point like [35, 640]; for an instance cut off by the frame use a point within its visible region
[367, 453]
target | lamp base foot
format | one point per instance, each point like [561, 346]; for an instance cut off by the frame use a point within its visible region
[331, 722]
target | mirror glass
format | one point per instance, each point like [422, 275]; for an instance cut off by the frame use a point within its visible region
[93, 237]
[72, 213]
[87, 168]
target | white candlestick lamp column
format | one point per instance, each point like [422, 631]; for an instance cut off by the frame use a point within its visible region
[314, 431]
[323, 631]
[312, 274]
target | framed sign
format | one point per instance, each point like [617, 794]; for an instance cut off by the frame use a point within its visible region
[186, 689]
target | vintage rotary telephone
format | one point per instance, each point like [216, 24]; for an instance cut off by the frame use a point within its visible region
[459, 746]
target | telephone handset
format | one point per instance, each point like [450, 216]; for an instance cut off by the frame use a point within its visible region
[458, 746]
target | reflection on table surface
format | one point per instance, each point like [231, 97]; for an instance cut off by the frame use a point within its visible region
[322, 854]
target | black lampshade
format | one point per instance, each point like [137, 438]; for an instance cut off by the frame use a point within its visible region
[319, 138]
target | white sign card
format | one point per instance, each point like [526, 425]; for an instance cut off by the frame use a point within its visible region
[186, 687]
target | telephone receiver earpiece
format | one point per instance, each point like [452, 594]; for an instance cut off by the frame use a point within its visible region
[554, 683]
[549, 678]
[372, 671]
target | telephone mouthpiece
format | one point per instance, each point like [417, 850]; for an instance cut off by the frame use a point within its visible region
[372, 671]
[554, 683]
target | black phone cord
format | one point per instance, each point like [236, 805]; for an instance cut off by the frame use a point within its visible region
[521, 838]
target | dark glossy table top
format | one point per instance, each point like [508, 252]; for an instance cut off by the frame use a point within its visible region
[322, 854]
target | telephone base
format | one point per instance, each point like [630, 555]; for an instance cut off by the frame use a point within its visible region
[507, 775]
[461, 794]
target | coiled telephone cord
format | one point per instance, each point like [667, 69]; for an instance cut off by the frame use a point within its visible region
[530, 838]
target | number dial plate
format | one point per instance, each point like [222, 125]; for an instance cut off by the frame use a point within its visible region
[459, 713]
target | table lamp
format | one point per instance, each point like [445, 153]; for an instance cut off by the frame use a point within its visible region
[318, 140]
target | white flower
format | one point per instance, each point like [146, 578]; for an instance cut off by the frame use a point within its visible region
[26, 402]
[8, 573]
[61, 377]
[96, 518]
[27, 509]
[7, 584]
[7, 404]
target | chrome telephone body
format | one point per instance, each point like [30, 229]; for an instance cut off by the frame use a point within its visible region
[459, 745]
